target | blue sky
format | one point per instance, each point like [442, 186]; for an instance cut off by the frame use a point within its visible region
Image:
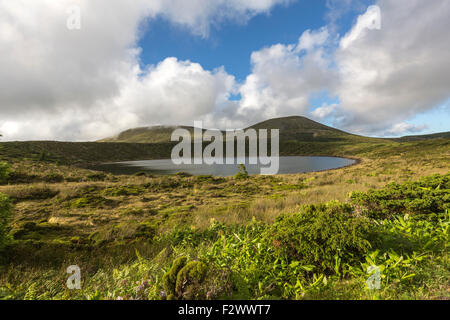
[231, 44]
[371, 67]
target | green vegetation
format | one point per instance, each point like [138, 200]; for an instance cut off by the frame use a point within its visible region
[319, 251]
[5, 206]
[318, 235]
[243, 173]
[4, 172]
[183, 280]
[440, 135]
[5, 214]
[170, 277]
[424, 197]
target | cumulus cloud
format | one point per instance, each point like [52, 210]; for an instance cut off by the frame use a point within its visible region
[404, 128]
[171, 92]
[85, 84]
[284, 77]
[390, 66]
[199, 15]
[175, 91]
[371, 20]
[337, 9]
[323, 112]
[312, 39]
[389, 75]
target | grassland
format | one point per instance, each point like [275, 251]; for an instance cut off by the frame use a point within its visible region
[158, 237]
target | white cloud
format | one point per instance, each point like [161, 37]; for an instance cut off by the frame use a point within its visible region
[199, 15]
[404, 128]
[371, 20]
[312, 39]
[337, 9]
[389, 75]
[87, 83]
[323, 112]
[171, 92]
[284, 77]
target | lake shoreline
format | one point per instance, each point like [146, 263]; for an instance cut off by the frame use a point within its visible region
[158, 167]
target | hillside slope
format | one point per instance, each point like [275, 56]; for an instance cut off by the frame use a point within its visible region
[440, 135]
[293, 128]
[155, 134]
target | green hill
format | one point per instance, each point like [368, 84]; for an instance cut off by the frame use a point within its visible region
[156, 134]
[293, 128]
[301, 129]
[440, 135]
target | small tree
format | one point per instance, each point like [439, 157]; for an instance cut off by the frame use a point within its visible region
[242, 174]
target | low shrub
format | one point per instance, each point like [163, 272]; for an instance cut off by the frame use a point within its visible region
[53, 178]
[16, 177]
[204, 178]
[96, 177]
[428, 196]
[146, 230]
[4, 172]
[242, 174]
[92, 201]
[5, 214]
[319, 235]
[187, 236]
[130, 190]
[140, 174]
[183, 174]
[133, 211]
[30, 230]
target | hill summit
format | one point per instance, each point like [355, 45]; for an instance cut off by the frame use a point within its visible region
[294, 128]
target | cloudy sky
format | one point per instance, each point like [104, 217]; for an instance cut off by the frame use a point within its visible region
[379, 68]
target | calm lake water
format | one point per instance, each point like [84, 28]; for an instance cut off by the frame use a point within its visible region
[287, 165]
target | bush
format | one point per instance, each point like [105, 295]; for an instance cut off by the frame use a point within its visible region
[426, 197]
[53, 178]
[146, 230]
[320, 235]
[5, 213]
[186, 236]
[91, 201]
[140, 174]
[295, 254]
[96, 177]
[16, 177]
[183, 174]
[4, 172]
[131, 190]
[242, 174]
[30, 230]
